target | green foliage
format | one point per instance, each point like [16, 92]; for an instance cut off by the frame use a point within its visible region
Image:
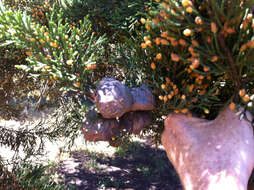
[199, 55]
[58, 51]
[118, 19]
[28, 176]
[36, 177]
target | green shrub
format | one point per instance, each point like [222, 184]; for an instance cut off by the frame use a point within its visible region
[200, 55]
[117, 19]
[59, 51]
[196, 56]
[36, 177]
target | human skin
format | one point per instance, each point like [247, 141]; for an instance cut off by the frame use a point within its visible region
[210, 155]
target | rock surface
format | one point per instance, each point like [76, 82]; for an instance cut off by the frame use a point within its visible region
[143, 99]
[113, 99]
[210, 155]
[99, 129]
[134, 122]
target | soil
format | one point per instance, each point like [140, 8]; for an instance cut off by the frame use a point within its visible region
[138, 167]
[134, 168]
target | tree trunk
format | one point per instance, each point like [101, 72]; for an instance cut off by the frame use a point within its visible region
[210, 155]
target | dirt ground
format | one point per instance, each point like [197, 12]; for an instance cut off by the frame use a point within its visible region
[137, 167]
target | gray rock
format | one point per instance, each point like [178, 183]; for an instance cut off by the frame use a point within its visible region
[113, 99]
[143, 99]
[134, 122]
[100, 129]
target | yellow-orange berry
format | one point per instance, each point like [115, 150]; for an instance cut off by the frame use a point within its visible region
[175, 57]
[47, 67]
[159, 56]
[213, 27]
[164, 42]
[189, 10]
[53, 44]
[161, 97]
[206, 111]
[28, 53]
[194, 43]
[230, 30]
[243, 47]
[191, 87]
[143, 21]
[167, 80]
[94, 66]
[77, 84]
[250, 44]
[149, 43]
[41, 41]
[48, 57]
[148, 27]
[198, 20]
[208, 39]
[69, 62]
[164, 34]
[157, 41]
[176, 111]
[165, 98]
[143, 45]
[182, 42]
[241, 92]
[185, 3]
[188, 32]
[91, 67]
[174, 43]
[153, 66]
[214, 59]
[185, 110]
[170, 96]
[246, 98]
[195, 64]
[146, 38]
[232, 106]
[171, 38]
[206, 69]
[163, 86]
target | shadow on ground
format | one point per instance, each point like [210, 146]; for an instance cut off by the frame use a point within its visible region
[135, 167]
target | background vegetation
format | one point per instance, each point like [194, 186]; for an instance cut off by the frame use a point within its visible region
[196, 56]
